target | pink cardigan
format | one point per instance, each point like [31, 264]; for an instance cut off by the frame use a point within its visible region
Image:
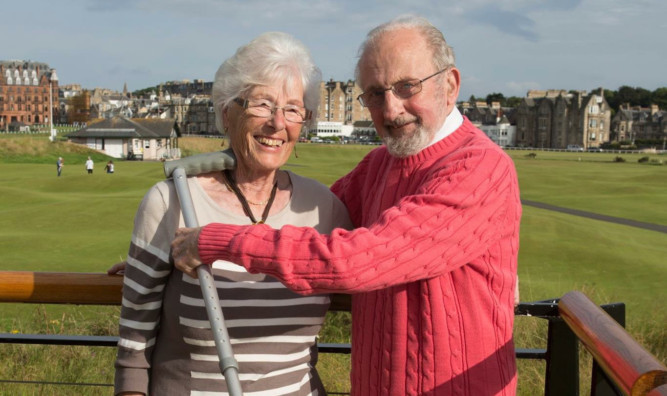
[431, 266]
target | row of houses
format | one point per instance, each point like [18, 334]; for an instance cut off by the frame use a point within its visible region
[30, 94]
[544, 119]
[558, 119]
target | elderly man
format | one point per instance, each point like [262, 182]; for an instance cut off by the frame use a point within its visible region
[432, 263]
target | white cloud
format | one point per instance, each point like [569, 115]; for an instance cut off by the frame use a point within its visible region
[519, 88]
[507, 45]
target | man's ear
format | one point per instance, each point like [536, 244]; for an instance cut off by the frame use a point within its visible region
[453, 84]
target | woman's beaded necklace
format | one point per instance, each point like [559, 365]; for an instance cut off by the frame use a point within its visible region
[231, 185]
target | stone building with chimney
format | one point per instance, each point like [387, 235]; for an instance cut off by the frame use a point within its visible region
[339, 109]
[637, 123]
[557, 119]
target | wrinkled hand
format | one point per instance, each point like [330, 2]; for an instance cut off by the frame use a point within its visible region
[117, 269]
[185, 250]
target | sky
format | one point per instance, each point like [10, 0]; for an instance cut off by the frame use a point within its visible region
[501, 46]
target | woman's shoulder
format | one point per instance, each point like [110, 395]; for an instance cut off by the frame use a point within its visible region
[311, 197]
[302, 183]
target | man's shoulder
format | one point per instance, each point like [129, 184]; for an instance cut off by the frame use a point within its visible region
[472, 144]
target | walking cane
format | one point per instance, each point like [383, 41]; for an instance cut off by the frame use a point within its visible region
[178, 171]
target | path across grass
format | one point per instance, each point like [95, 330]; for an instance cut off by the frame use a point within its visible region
[596, 216]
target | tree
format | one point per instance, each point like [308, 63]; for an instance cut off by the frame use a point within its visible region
[659, 97]
[495, 97]
[612, 98]
[643, 97]
[513, 101]
[626, 94]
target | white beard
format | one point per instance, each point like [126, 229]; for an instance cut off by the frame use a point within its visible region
[405, 146]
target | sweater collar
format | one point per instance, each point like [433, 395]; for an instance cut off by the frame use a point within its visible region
[452, 123]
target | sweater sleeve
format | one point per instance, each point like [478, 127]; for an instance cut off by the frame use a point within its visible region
[348, 187]
[146, 274]
[451, 218]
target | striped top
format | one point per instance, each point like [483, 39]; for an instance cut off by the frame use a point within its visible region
[166, 345]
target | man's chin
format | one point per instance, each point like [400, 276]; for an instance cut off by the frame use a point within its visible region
[406, 145]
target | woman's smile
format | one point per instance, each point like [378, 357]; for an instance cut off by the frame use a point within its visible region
[269, 142]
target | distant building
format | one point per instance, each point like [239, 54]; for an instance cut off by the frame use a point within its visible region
[190, 105]
[106, 103]
[186, 88]
[364, 130]
[502, 132]
[495, 121]
[339, 104]
[198, 116]
[26, 89]
[332, 129]
[557, 119]
[636, 123]
[120, 137]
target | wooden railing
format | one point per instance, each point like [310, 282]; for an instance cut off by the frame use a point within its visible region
[82, 288]
[60, 288]
[621, 365]
[629, 366]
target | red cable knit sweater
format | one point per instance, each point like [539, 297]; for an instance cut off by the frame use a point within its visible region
[431, 266]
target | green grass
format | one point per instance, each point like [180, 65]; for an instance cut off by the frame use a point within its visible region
[82, 223]
[596, 183]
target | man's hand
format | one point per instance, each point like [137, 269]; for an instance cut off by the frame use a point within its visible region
[185, 250]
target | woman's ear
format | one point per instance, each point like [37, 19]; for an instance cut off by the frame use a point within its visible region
[225, 117]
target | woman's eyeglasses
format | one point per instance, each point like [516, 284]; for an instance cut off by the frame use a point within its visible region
[267, 109]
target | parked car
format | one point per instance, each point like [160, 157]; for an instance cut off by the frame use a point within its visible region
[574, 147]
[595, 149]
[135, 157]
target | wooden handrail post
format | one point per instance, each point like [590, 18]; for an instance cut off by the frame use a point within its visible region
[633, 369]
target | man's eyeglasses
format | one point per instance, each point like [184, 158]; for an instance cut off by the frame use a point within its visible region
[266, 109]
[402, 89]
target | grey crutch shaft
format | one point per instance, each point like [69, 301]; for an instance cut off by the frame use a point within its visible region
[228, 365]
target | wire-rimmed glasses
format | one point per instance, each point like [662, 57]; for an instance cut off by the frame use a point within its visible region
[266, 109]
[402, 89]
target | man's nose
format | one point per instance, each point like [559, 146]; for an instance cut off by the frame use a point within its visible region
[392, 106]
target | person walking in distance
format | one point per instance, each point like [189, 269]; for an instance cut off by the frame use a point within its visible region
[89, 166]
[59, 165]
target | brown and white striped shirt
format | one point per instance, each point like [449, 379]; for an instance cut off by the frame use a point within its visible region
[166, 346]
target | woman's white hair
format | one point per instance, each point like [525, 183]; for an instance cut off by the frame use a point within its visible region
[272, 57]
[443, 54]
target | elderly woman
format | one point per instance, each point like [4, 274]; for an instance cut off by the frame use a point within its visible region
[263, 96]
